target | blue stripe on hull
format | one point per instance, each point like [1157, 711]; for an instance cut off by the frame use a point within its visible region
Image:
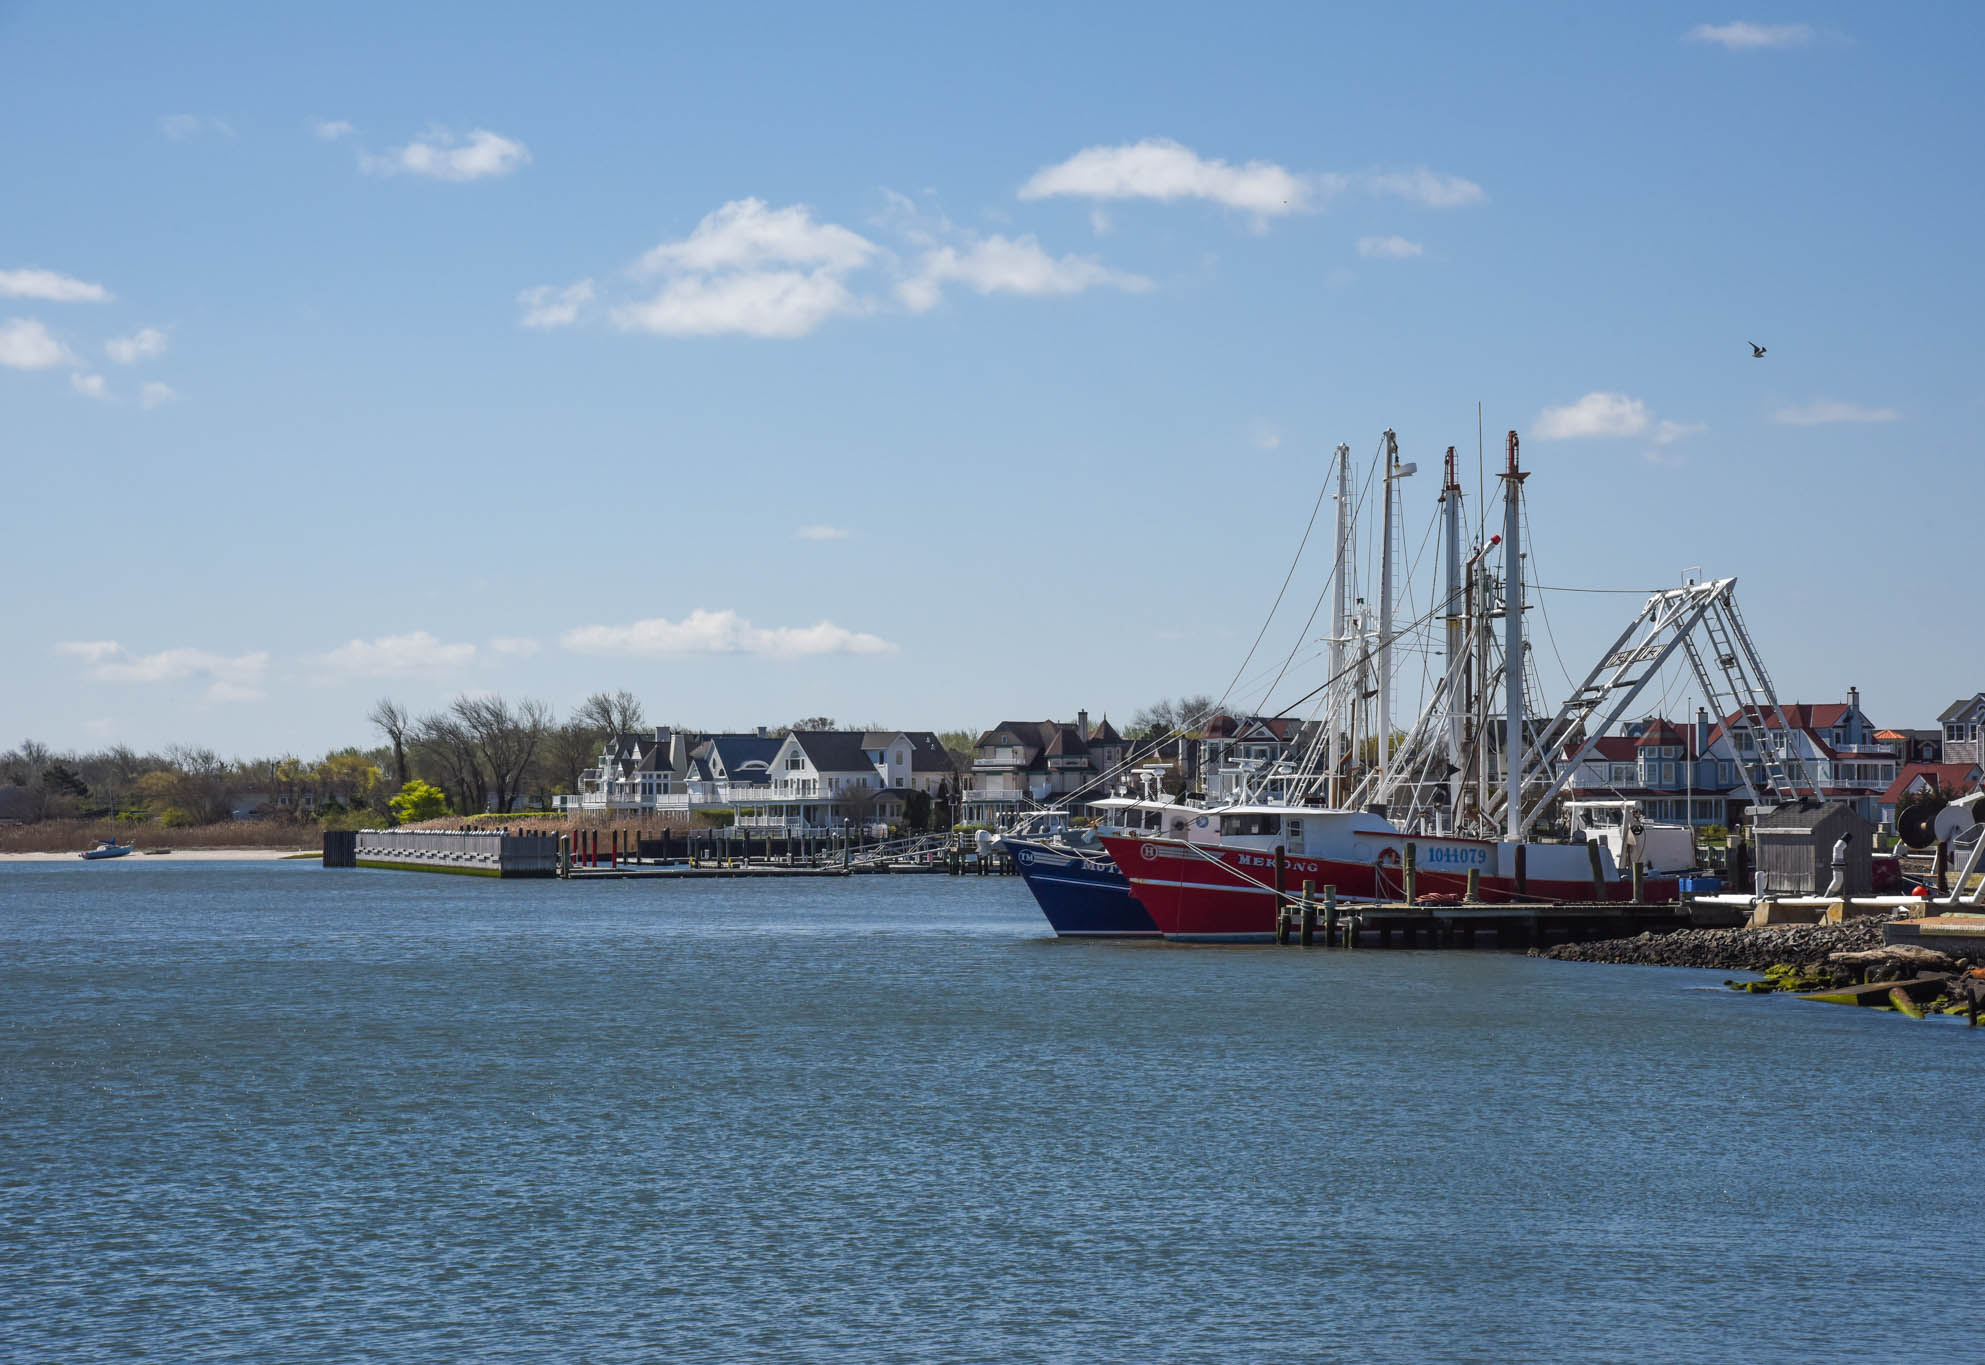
[1081, 898]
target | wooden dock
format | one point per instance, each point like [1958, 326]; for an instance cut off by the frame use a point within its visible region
[1512, 924]
[1322, 920]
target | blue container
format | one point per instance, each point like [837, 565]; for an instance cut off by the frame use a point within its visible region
[1701, 886]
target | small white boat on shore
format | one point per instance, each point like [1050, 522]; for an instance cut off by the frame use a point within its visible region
[107, 848]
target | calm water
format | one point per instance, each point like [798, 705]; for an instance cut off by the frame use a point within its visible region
[272, 1112]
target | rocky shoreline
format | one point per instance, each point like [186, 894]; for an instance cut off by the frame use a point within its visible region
[1730, 950]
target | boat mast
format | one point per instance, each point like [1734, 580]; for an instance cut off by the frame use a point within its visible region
[1393, 471]
[1340, 688]
[1513, 645]
[1457, 626]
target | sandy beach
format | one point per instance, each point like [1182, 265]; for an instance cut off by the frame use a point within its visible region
[183, 855]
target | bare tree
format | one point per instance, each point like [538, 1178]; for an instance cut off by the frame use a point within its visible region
[448, 749]
[614, 713]
[393, 721]
[507, 739]
[569, 750]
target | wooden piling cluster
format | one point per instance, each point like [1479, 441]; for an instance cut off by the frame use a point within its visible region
[1303, 919]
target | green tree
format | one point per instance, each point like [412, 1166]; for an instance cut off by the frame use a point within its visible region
[916, 811]
[419, 800]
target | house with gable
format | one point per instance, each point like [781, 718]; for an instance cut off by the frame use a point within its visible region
[1963, 722]
[1025, 765]
[1831, 745]
[1253, 756]
[633, 770]
[1695, 773]
[1962, 778]
[816, 780]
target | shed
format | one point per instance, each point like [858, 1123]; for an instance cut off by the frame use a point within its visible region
[1794, 842]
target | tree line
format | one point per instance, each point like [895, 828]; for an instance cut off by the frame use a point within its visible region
[480, 753]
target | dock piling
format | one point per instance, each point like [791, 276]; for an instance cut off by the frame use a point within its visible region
[1598, 877]
[1474, 885]
[1330, 914]
[1409, 870]
[1307, 927]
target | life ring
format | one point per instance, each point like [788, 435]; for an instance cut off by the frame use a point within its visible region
[1388, 858]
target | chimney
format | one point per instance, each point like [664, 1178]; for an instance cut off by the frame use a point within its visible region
[761, 732]
[1854, 716]
[1082, 723]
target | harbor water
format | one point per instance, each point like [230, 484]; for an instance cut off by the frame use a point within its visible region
[267, 1111]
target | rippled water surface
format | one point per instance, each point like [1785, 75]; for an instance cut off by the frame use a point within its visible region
[273, 1112]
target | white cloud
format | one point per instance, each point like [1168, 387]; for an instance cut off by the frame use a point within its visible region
[516, 646]
[760, 303]
[721, 632]
[1008, 265]
[820, 532]
[1266, 437]
[180, 127]
[1159, 168]
[1743, 36]
[26, 345]
[1388, 248]
[1666, 433]
[1825, 411]
[744, 234]
[89, 385]
[1596, 414]
[142, 344]
[1099, 223]
[398, 656]
[49, 286]
[440, 155]
[752, 271]
[229, 678]
[1422, 186]
[549, 306]
[330, 130]
[152, 393]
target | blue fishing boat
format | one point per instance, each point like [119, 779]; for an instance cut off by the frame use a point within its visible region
[1081, 892]
[106, 848]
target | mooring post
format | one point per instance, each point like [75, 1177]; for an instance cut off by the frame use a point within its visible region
[1409, 871]
[1522, 872]
[1330, 914]
[1282, 924]
[1639, 882]
[564, 855]
[1474, 883]
[1308, 926]
[613, 850]
[1280, 884]
[1598, 878]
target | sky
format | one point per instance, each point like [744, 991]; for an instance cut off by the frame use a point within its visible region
[929, 366]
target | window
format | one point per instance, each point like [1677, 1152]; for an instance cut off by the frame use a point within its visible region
[795, 763]
[899, 758]
[1295, 830]
[1250, 824]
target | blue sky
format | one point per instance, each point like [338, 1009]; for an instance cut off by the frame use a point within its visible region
[928, 366]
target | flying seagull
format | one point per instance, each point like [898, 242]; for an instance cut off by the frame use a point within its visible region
[1757, 351]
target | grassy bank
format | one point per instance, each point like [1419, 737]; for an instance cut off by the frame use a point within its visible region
[73, 836]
